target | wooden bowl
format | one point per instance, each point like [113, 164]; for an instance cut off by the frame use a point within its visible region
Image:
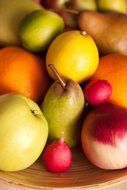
[82, 175]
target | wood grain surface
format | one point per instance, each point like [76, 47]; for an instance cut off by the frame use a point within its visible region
[82, 175]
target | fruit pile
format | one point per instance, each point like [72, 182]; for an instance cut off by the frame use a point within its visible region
[63, 76]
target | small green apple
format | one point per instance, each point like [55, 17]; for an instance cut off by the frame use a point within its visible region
[23, 132]
[39, 28]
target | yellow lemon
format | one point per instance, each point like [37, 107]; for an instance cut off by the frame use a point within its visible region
[74, 54]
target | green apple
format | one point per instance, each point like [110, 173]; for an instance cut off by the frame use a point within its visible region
[23, 132]
[39, 28]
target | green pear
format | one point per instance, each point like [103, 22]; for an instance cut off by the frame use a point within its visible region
[11, 14]
[63, 107]
[109, 30]
[39, 28]
[23, 132]
[112, 5]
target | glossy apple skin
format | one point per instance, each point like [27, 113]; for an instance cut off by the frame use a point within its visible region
[104, 137]
[23, 132]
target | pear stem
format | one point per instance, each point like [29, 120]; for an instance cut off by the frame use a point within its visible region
[61, 81]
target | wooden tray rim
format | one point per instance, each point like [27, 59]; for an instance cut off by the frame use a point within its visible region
[95, 186]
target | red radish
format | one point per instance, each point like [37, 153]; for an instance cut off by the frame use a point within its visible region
[57, 156]
[97, 92]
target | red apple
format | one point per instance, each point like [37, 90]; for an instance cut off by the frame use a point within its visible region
[104, 137]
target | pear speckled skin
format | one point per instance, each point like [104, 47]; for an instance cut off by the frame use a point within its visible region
[63, 109]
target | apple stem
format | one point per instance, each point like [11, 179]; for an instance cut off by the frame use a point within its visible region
[61, 81]
[34, 112]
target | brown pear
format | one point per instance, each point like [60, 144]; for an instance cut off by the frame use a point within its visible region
[109, 30]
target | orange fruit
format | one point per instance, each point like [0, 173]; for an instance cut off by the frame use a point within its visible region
[23, 72]
[113, 67]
